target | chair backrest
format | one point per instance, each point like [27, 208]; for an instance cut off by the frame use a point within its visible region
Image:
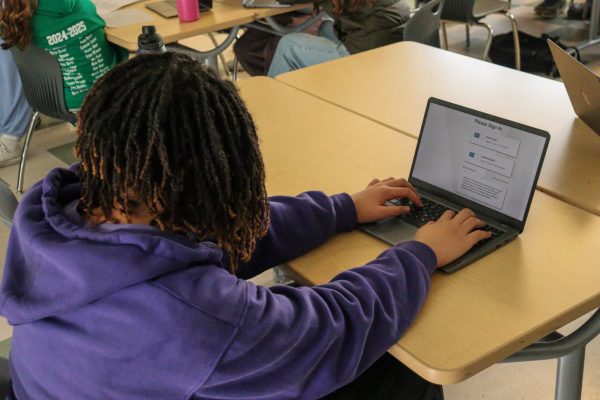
[424, 25]
[459, 10]
[42, 82]
[8, 203]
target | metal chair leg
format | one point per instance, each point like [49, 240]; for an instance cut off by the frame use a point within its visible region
[444, 35]
[515, 31]
[213, 63]
[30, 129]
[280, 277]
[236, 63]
[468, 33]
[488, 44]
[221, 56]
[234, 72]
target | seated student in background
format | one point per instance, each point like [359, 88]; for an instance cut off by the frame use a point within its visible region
[15, 112]
[125, 275]
[255, 48]
[72, 31]
[359, 25]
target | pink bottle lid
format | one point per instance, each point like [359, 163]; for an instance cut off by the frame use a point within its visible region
[188, 10]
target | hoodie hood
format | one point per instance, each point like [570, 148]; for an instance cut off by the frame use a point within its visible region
[54, 265]
[56, 7]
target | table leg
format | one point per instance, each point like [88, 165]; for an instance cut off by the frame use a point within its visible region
[569, 375]
[593, 38]
[570, 352]
[594, 19]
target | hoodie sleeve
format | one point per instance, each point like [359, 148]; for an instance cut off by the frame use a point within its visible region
[298, 225]
[306, 342]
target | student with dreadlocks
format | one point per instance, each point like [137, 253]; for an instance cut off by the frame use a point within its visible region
[125, 275]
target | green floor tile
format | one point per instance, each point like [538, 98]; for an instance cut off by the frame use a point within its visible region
[64, 153]
[5, 347]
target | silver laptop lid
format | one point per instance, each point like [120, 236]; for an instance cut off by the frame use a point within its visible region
[583, 86]
[480, 161]
[264, 4]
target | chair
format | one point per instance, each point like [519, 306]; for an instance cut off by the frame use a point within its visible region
[471, 12]
[424, 25]
[43, 86]
[8, 204]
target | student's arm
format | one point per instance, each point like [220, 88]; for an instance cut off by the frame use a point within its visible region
[299, 224]
[306, 342]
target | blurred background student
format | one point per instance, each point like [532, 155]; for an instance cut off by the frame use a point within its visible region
[15, 113]
[359, 25]
[72, 31]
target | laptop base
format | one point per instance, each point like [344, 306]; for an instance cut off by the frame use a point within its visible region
[394, 230]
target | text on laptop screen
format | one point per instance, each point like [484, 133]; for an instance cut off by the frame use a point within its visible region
[492, 164]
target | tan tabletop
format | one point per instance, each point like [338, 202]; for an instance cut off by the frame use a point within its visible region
[472, 318]
[224, 14]
[391, 85]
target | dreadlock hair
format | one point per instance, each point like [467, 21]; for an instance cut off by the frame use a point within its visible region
[164, 131]
[15, 22]
[339, 6]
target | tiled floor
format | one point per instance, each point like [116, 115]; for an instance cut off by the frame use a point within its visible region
[530, 381]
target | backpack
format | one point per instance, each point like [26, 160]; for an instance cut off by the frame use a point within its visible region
[535, 53]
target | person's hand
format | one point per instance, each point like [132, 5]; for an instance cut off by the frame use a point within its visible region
[369, 202]
[452, 235]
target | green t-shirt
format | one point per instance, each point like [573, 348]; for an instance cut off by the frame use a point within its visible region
[73, 32]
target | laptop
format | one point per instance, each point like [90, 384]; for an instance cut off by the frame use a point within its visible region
[168, 8]
[583, 86]
[264, 4]
[466, 158]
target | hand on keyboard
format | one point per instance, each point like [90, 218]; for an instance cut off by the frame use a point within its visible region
[452, 235]
[371, 202]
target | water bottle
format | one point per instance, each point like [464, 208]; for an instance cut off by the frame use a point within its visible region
[150, 41]
[188, 10]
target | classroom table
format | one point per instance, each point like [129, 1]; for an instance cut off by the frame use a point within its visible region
[391, 85]
[473, 318]
[224, 14]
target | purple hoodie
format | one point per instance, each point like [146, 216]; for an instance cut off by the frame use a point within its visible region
[131, 312]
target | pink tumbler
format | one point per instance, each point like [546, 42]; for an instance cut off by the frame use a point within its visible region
[188, 10]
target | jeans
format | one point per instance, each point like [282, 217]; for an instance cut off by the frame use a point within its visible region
[299, 50]
[15, 113]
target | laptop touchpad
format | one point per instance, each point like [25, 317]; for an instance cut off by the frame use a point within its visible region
[391, 230]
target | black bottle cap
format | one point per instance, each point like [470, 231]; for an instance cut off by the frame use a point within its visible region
[150, 39]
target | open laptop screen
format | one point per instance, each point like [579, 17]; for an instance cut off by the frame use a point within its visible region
[485, 159]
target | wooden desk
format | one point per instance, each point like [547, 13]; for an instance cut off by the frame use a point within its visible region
[224, 14]
[397, 80]
[473, 318]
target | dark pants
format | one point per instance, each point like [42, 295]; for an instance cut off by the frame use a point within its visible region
[388, 379]
[255, 49]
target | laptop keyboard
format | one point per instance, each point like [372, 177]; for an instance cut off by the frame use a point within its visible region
[432, 211]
